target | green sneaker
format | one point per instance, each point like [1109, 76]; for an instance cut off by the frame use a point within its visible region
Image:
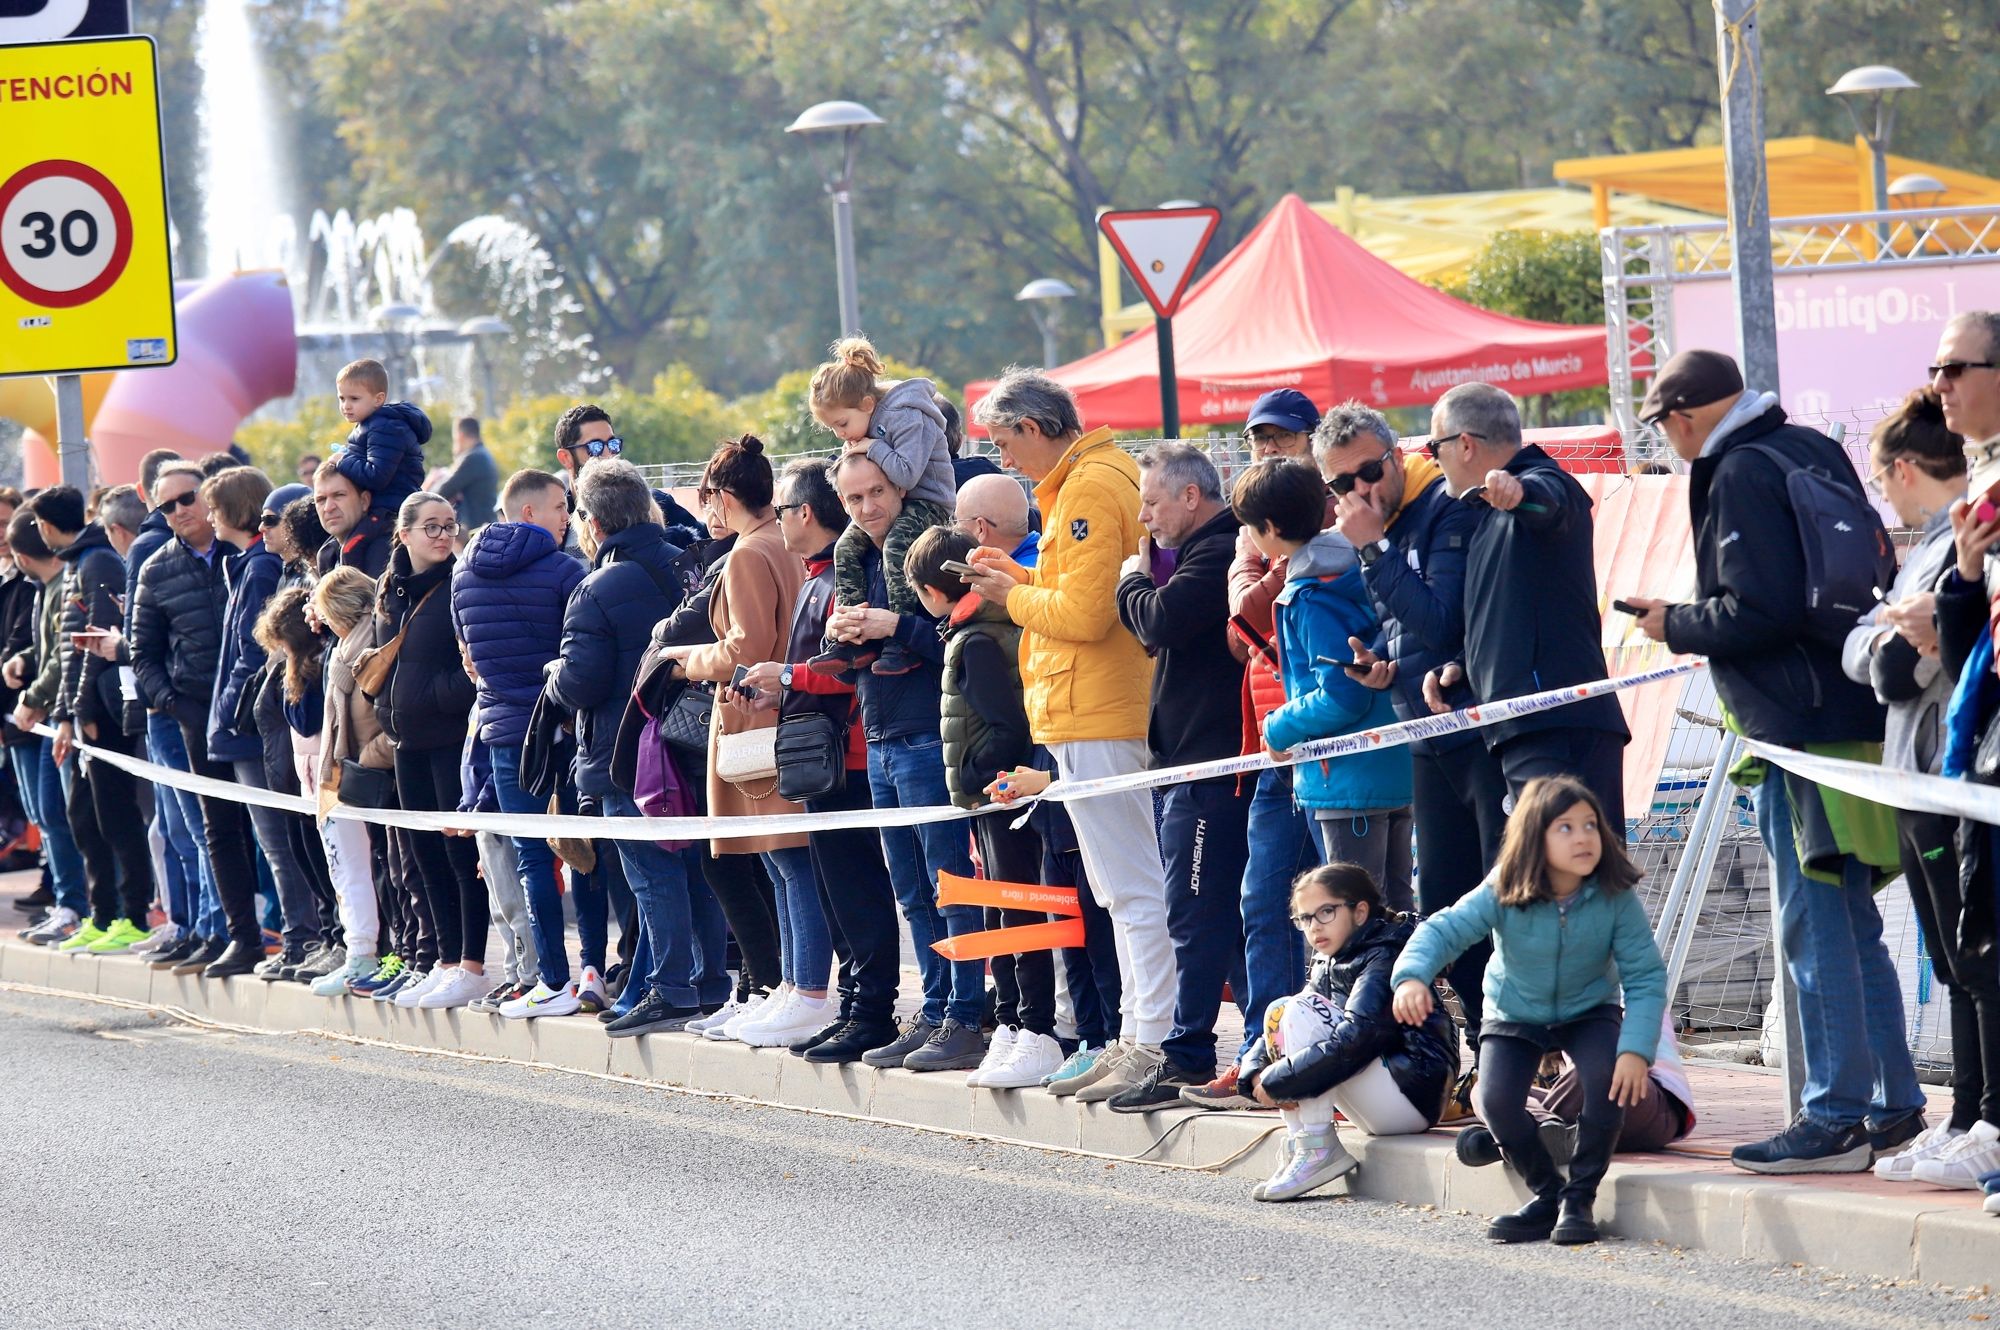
[83, 936]
[120, 937]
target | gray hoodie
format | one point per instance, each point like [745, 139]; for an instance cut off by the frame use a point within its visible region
[1915, 688]
[907, 442]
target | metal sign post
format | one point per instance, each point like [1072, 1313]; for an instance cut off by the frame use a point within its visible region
[1159, 247]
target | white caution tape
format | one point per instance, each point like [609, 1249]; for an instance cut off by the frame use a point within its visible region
[1906, 790]
[790, 824]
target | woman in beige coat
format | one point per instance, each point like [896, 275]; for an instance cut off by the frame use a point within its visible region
[751, 612]
[344, 600]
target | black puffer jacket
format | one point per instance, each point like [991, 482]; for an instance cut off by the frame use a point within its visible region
[1197, 709]
[177, 630]
[93, 579]
[1423, 1059]
[427, 702]
[1780, 685]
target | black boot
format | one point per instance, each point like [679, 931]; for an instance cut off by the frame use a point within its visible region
[1595, 1141]
[238, 958]
[1534, 1221]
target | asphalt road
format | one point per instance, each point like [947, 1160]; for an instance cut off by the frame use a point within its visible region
[155, 1174]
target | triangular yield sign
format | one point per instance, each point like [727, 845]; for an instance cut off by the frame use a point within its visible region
[1159, 247]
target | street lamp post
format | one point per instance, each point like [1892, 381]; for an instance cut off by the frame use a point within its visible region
[393, 320]
[479, 330]
[1044, 297]
[847, 119]
[1876, 86]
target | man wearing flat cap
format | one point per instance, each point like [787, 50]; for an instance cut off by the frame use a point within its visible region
[1781, 682]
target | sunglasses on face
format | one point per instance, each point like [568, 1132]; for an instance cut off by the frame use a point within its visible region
[1431, 446]
[613, 447]
[1325, 914]
[1950, 370]
[267, 521]
[1368, 473]
[168, 505]
[782, 508]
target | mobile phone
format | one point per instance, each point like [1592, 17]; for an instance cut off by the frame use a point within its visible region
[86, 636]
[1343, 664]
[962, 569]
[1627, 607]
[736, 682]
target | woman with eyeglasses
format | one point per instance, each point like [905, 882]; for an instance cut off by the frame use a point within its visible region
[1338, 1044]
[425, 708]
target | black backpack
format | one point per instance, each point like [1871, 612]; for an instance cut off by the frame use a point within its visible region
[1850, 562]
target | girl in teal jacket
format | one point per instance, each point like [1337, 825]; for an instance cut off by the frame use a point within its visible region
[1568, 934]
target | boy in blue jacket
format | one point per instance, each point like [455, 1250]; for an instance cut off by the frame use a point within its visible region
[384, 453]
[1361, 802]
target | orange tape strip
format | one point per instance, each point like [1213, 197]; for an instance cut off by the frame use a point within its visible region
[956, 890]
[1007, 941]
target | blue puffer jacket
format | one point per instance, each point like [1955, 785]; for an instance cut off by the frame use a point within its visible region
[384, 455]
[1322, 605]
[252, 576]
[1418, 590]
[1552, 964]
[507, 602]
[604, 633]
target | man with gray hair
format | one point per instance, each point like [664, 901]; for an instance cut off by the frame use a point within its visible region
[1412, 539]
[1196, 716]
[1531, 614]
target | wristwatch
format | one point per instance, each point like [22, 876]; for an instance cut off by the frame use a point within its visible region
[785, 678]
[1368, 554]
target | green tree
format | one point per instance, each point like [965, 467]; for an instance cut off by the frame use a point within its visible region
[1550, 276]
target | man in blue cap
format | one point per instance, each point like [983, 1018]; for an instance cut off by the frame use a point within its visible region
[1281, 424]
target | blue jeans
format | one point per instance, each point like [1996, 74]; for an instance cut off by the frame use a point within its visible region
[805, 947]
[1857, 1063]
[185, 861]
[1282, 846]
[42, 799]
[199, 907]
[539, 885]
[909, 773]
[680, 924]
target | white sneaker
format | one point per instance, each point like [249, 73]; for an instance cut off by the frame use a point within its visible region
[412, 993]
[755, 1013]
[997, 1050]
[590, 992]
[1032, 1057]
[1992, 1206]
[750, 1006]
[1928, 1144]
[721, 1016]
[458, 988]
[541, 1000]
[1965, 1161]
[795, 1024]
[56, 926]
[158, 940]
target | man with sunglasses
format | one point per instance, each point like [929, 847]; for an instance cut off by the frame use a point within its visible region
[1412, 539]
[1783, 684]
[584, 433]
[1531, 615]
[1967, 375]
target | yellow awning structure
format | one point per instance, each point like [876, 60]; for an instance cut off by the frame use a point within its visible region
[1807, 177]
[1431, 237]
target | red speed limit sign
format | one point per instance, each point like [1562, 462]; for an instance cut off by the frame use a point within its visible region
[65, 234]
[86, 274]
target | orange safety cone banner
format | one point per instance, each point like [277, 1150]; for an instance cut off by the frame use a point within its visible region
[1064, 932]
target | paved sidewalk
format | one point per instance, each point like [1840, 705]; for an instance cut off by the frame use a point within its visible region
[1689, 1197]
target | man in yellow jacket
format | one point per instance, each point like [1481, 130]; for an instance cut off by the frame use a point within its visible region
[1087, 686]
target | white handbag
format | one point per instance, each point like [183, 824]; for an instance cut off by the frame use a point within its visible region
[749, 756]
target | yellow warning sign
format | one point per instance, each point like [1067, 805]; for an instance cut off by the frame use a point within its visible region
[86, 278]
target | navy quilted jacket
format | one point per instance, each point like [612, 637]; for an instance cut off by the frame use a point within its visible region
[507, 602]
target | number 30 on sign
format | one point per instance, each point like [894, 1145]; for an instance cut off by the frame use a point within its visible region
[86, 280]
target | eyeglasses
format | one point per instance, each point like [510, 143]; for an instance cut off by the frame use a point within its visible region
[439, 530]
[614, 446]
[782, 508]
[1431, 446]
[1368, 473]
[268, 520]
[1325, 914]
[1269, 433]
[1951, 369]
[168, 505]
[1875, 477]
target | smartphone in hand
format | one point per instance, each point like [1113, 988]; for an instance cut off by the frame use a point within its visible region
[960, 567]
[736, 683]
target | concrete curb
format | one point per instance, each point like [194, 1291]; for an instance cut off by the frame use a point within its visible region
[1687, 1202]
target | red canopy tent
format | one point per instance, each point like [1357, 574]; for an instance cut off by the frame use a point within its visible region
[1299, 304]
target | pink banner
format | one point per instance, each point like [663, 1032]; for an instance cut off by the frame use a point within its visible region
[1851, 343]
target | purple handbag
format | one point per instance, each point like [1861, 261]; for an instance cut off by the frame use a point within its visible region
[656, 783]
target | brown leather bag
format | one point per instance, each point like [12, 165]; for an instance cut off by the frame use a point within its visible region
[371, 667]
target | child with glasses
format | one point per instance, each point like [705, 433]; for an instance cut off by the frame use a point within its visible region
[384, 453]
[1337, 1044]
